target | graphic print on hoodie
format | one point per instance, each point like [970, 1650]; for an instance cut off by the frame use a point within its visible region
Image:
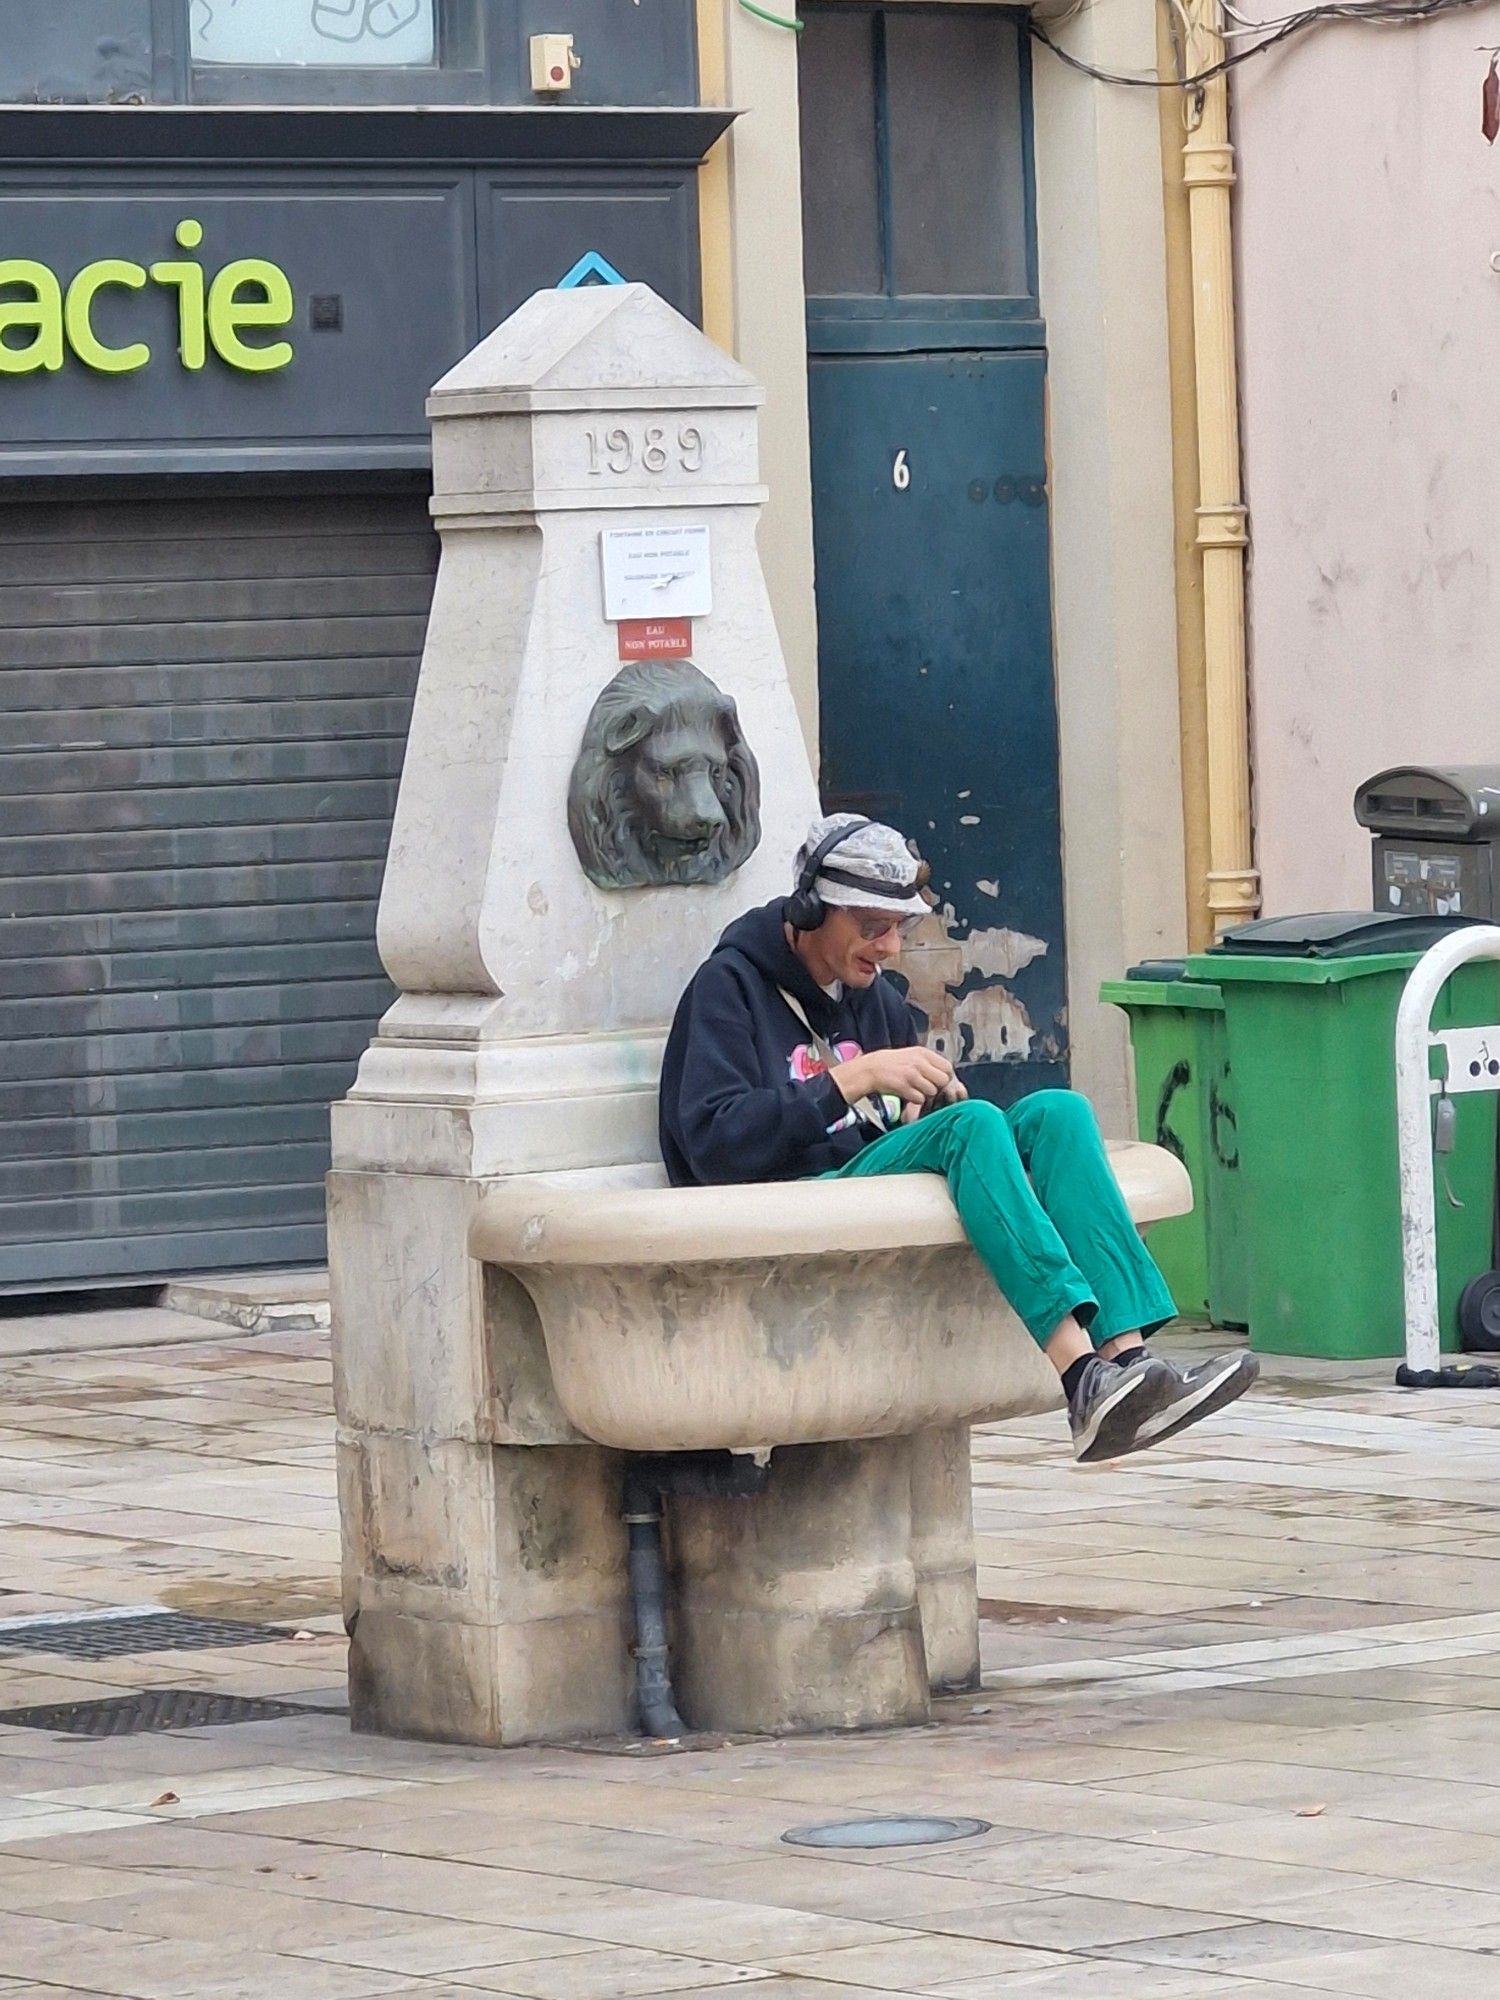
[744, 1096]
[804, 1063]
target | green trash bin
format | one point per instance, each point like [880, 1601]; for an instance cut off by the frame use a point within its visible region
[1310, 1021]
[1185, 1102]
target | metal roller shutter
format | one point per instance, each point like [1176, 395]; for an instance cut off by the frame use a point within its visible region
[203, 707]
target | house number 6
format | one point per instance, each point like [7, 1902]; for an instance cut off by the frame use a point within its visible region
[901, 473]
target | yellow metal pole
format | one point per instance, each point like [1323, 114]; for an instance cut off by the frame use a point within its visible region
[1192, 705]
[1208, 170]
[714, 223]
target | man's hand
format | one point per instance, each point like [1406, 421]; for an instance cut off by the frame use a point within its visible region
[916, 1076]
[954, 1094]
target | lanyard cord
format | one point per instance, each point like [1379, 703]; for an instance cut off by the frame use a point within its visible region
[864, 1108]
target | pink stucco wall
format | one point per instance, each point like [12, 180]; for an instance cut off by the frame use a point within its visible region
[1368, 210]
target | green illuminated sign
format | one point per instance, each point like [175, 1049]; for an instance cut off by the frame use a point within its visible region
[248, 295]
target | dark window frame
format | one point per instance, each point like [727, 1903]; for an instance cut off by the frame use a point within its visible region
[460, 75]
[883, 320]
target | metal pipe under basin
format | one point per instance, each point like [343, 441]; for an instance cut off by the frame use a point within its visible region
[717, 1474]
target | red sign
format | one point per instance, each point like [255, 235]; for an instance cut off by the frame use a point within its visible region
[655, 638]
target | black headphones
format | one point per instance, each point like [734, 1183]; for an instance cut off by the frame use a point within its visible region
[805, 909]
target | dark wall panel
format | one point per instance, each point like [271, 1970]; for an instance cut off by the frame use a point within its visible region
[77, 52]
[644, 226]
[629, 52]
[397, 256]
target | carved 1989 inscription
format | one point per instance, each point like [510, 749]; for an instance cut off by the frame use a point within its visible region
[649, 447]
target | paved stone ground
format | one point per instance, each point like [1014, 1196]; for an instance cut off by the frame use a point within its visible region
[1236, 1738]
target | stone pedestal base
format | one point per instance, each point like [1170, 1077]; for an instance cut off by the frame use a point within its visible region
[942, 1553]
[545, 1681]
[798, 1610]
[484, 1590]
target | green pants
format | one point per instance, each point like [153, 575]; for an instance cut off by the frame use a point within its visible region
[1036, 1194]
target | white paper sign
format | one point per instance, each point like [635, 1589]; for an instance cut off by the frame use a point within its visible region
[656, 573]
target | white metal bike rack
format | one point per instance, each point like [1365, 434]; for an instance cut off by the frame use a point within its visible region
[1471, 1062]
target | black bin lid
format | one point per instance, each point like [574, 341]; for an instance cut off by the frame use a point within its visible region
[1166, 970]
[1339, 934]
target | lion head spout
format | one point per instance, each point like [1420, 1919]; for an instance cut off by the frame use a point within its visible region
[665, 789]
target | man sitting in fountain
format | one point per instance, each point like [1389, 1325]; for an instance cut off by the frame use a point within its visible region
[794, 1054]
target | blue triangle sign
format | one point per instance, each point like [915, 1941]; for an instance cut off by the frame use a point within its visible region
[591, 269]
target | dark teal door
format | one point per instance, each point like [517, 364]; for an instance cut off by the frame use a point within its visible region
[927, 402]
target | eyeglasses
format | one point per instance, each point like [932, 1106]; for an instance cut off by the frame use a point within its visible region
[873, 927]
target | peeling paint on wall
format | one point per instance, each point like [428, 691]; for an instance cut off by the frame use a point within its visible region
[987, 1024]
[1000, 954]
[985, 1021]
[959, 984]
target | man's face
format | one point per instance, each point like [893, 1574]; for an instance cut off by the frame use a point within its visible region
[858, 944]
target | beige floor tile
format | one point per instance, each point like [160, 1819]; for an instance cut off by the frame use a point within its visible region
[1111, 1979]
[1341, 1843]
[442, 1989]
[1093, 1762]
[26, 1825]
[438, 1947]
[25, 1989]
[27, 1939]
[775, 1989]
[644, 1806]
[216, 1791]
[1322, 1960]
[921, 1964]
[738, 1933]
[1131, 1872]
[619, 1974]
[1465, 1919]
[1393, 1972]
[28, 1686]
[165, 1907]
[1259, 1989]
[797, 1882]
[1018, 1805]
[177, 1970]
[604, 1854]
[1272, 1787]
[1073, 1923]
[32, 1887]
[188, 1849]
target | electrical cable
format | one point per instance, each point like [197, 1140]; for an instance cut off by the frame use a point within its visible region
[1382, 13]
[776, 20]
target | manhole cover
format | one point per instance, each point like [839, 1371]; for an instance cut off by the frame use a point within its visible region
[110, 1635]
[154, 1709]
[918, 1831]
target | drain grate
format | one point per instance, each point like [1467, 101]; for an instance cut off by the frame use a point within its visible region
[113, 1634]
[885, 1830]
[153, 1709]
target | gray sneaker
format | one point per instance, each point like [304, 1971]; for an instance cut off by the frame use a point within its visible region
[1191, 1394]
[1112, 1406]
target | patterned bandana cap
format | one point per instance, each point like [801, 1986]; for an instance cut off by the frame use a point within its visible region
[878, 855]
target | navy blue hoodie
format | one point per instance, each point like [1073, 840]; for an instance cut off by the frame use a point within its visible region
[744, 1096]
